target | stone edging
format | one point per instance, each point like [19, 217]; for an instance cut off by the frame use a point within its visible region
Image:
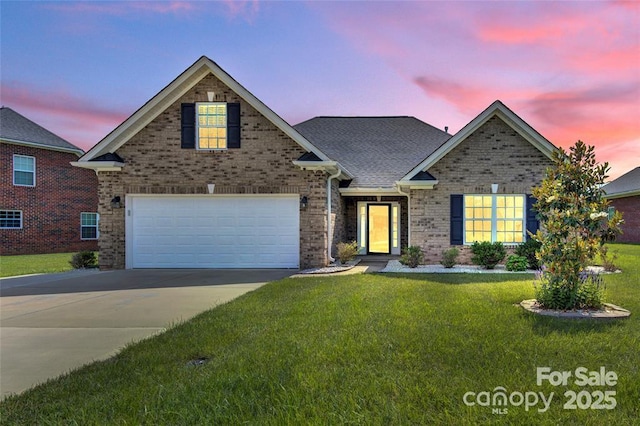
[609, 312]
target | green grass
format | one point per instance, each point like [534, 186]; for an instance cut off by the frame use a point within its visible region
[34, 264]
[360, 349]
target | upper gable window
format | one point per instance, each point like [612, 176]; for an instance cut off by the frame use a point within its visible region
[211, 125]
[24, 170]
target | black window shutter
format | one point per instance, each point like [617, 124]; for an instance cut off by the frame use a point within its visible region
[233, 125]
[533, 224]
[188, 126]
[457, 219]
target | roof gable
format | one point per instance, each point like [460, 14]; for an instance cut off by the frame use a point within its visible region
[172, 92]
[626, 185]
[19, 130]
[498, 109]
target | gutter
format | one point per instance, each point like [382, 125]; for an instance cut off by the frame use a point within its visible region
[329, 233]
[406, 194]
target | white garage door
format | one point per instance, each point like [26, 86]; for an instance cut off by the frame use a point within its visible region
[213, 232]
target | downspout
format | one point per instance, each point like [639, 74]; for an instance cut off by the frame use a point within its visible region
[406, 194]
[329, 233]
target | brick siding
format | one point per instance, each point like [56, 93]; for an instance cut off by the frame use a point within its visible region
[155, 164]
[50, 210]
[495, 153]
[630, 208]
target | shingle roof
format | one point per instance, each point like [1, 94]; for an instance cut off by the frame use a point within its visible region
[378, 151]
[18, 129]
[627, 183]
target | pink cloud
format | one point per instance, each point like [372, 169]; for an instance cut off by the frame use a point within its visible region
[78, 120]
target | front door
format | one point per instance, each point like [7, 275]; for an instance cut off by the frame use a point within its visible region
[379, 228]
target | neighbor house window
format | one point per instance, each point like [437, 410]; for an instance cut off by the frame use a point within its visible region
[24, 170]
[89, 226]
[211, 125]
[610, 212]
[10, 219]
[494, 218]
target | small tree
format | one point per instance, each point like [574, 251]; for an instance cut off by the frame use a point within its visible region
[575, 223]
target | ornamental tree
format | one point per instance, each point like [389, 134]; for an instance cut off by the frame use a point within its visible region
[575, 224]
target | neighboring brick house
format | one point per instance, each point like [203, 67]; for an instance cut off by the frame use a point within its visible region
[206, 175]
[624, 196]
[47, 205]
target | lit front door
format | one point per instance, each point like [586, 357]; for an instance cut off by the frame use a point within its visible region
[378, 233]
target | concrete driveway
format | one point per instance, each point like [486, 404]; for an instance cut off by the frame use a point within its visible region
[51, 324]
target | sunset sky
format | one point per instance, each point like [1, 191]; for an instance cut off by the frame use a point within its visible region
[570, 69]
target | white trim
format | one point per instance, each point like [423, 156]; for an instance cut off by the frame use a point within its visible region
[97, 226]
[418, 184]
[99, 166]
[494, 218]
[498, 109]
[21, 219]
[129, 204]
[630, 193]
[174, 91]
[23, 171]
[363, 192]
[361, 239]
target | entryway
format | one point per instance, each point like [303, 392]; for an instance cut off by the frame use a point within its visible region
[378, 227]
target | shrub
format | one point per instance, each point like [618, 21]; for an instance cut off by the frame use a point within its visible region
[487, 254]
[347, 251]
[412, 256]
[84, 259]
[449, 257]
[516, 263]
[552, 293]
[528, 249]
[608, 262]
[575, 224]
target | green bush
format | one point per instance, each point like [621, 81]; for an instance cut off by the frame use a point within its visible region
[516, 263]
[84, 259]
[449, 257]
[347, 251]
[575, 224]
[528, 249]
[412, 256]
[487, 254]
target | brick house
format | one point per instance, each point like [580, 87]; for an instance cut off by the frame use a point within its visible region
[624, 196]
[206, 175]
[47, 205]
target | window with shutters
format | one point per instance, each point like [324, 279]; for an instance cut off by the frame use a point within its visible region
[494, 218]
[211, 125]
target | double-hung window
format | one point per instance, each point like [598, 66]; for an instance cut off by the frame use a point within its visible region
[494, 218]
[10, 219]
[89, 226]
[24, 170]
[211, 125]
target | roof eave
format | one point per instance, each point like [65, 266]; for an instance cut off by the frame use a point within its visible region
[76, 151]
[417, 184]
[99, 166]
[331, 167]
[624, 194]
[363, 192]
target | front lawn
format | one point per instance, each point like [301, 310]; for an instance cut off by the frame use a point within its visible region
[11, 266]
[365, 349]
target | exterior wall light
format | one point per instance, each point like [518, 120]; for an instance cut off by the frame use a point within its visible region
[115, 202]
[304, 202]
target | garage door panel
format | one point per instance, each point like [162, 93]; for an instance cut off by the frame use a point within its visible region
[213, 232]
